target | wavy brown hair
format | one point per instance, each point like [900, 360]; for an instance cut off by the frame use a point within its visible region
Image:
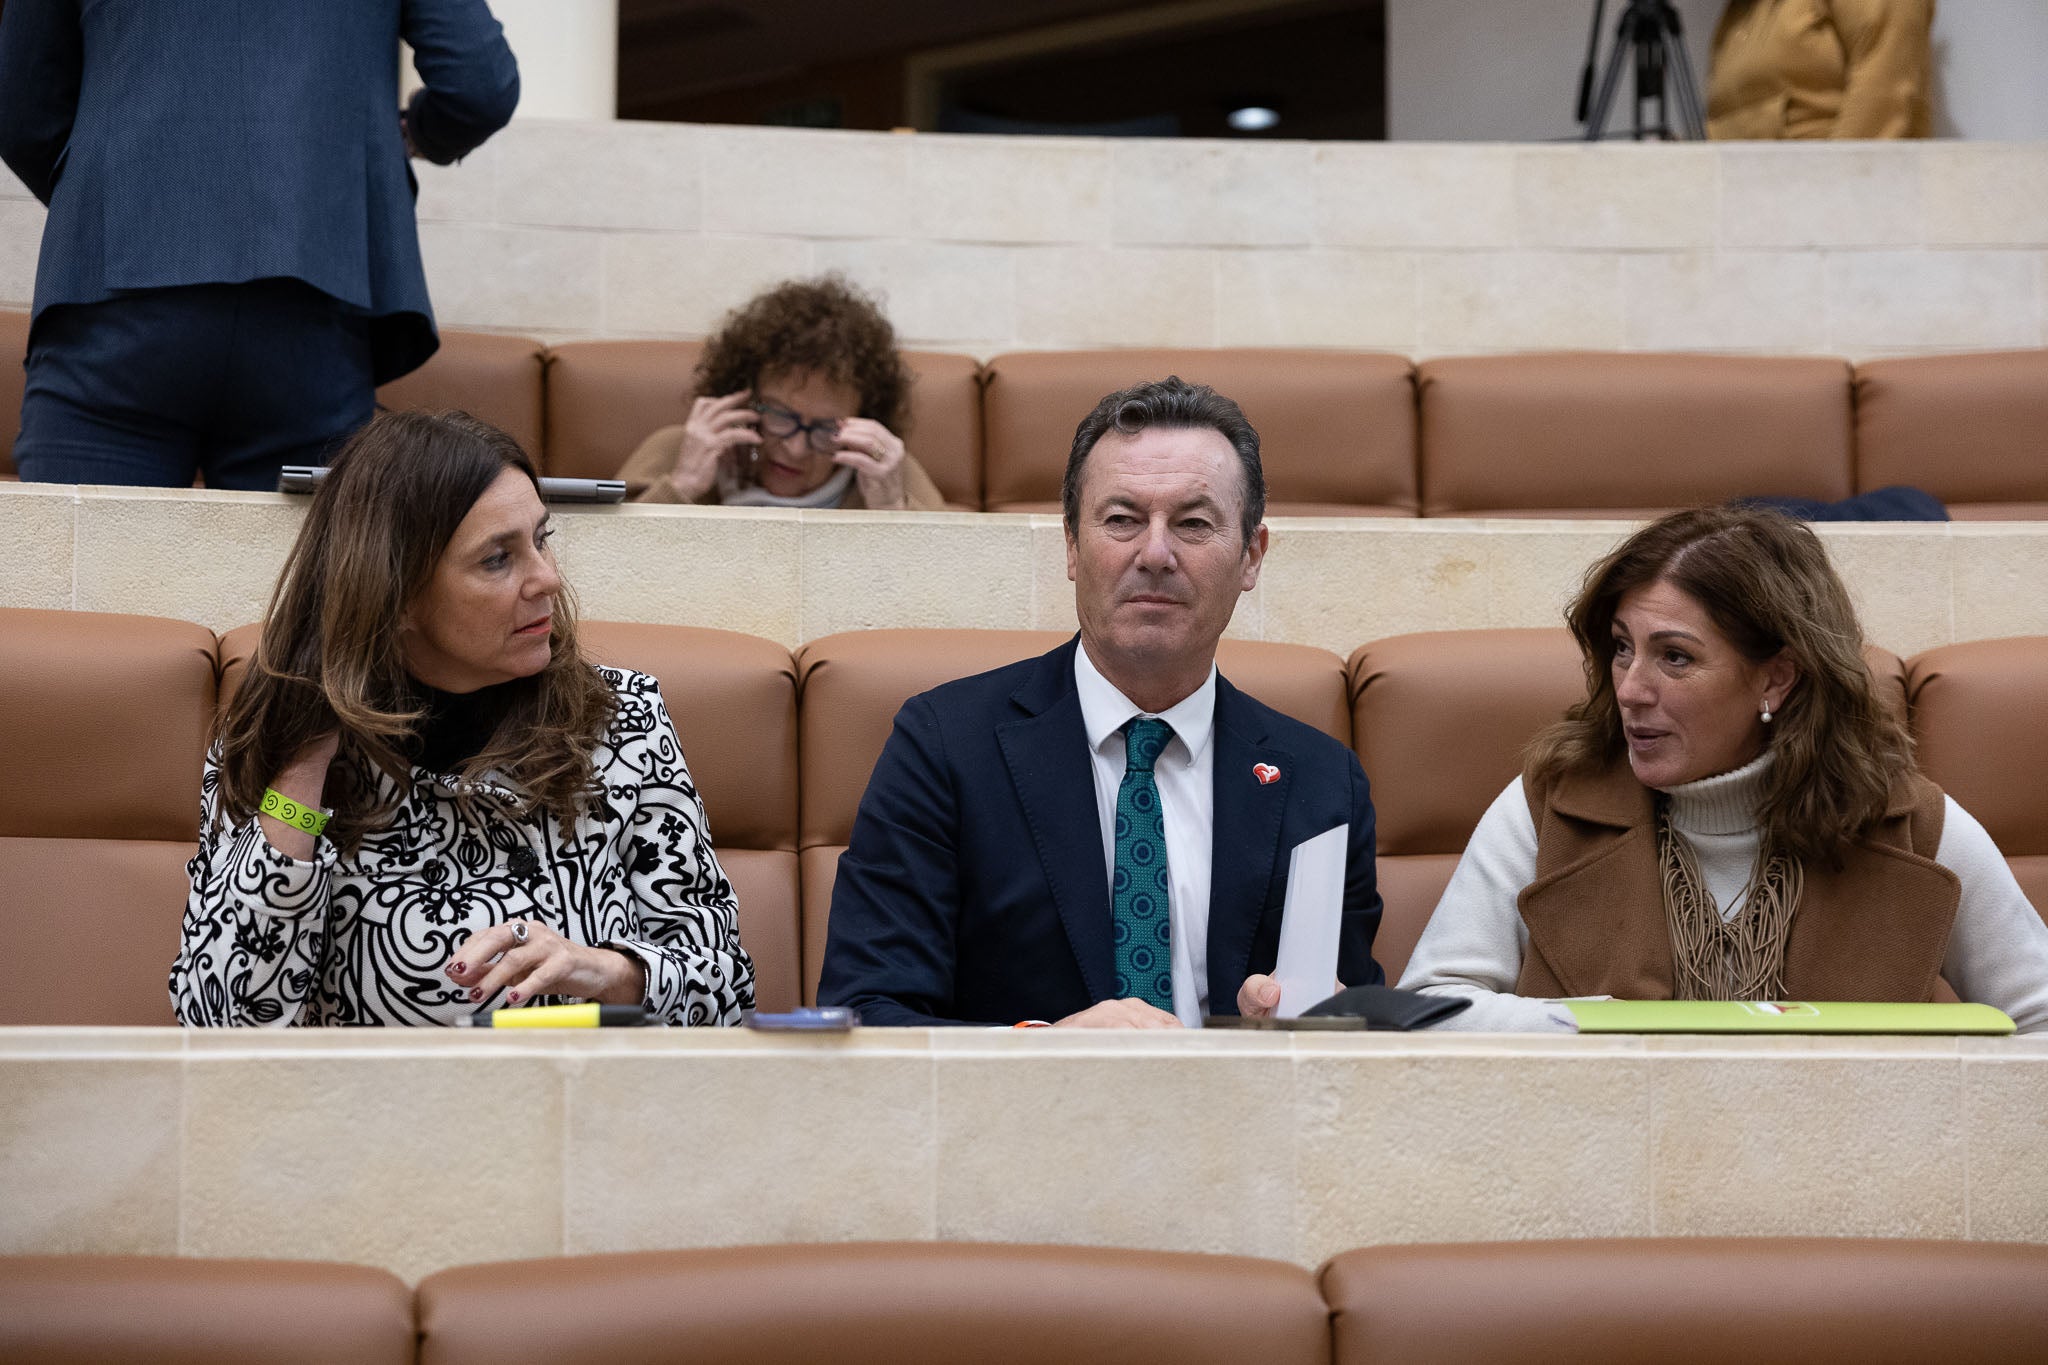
[330, 656]
[824, 325]
[1765, 582]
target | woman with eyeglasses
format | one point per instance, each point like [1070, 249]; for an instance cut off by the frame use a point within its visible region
[800, 401]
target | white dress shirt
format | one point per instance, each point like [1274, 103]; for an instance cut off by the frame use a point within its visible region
[1185, 774]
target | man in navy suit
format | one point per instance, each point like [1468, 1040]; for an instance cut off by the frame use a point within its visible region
[230, 264]
[1100, 836]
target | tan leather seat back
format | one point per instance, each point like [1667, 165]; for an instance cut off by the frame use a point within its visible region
[1688, 1301]
[605, 397]
[99, 809]
[493, 377]
[1441, 720]
[164, 1310]
[852, 685]
[733, 700]
[1970, 429]
[13, 349]
[1980, 727]
[1628, 435]
[877, 1304]
[1336, 428]
[945, 423]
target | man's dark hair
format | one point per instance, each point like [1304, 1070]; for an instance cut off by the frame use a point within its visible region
[1168, 402]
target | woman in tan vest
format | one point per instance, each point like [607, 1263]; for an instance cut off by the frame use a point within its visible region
[800, 401]
[1821, 69]
[1732, 813]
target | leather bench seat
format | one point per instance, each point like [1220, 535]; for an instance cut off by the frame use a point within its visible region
[876, 1303]
[1621, 435]
[164, 1310]
[1344, 433]
[1689, 1301]
[1980, 730]
[1440, 720]
[491, 376]
[1336, 428]
[1970, 429]
[106, 730]
[13, 346]
[1674, 1301]
[99, 793]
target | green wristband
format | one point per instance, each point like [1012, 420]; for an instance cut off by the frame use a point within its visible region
[293, 813]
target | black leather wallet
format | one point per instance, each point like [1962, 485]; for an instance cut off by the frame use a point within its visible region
[1388, 1008]
[1378, 1008]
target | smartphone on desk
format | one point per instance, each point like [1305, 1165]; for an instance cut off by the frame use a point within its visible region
[811, 1019]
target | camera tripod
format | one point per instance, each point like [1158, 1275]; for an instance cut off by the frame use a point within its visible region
[1650, 32]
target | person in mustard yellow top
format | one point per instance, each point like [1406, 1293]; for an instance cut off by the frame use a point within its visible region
[800, 401]
[1821, 69]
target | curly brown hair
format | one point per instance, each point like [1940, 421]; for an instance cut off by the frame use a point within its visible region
[1766, 583]
[329, 657]
[825, 326]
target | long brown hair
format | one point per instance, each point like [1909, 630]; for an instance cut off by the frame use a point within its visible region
[330, 656]
[1765, 582]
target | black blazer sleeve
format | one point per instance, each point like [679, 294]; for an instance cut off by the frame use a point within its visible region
[1356, 965]
[42, 60]
[890, 947]
[471, 79]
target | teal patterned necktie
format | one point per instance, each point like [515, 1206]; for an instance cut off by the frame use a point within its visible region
[1139, 911]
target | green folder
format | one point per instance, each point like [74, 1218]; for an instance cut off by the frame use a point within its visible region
[1782, 1016]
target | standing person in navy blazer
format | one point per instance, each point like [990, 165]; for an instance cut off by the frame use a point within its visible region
[1006, 861]
[230, 264]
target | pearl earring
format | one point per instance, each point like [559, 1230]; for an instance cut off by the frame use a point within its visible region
[1767, 711]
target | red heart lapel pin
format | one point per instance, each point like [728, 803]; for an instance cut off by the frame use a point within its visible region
[1266, 773]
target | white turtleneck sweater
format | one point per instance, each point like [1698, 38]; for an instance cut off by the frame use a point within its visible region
[1997, 949]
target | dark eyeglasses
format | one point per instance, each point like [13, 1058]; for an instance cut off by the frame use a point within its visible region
[781, 423]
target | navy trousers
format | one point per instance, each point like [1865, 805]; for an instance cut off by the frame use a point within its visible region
[230, 381]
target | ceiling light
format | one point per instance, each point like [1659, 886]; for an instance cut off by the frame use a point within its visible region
[1253, 118]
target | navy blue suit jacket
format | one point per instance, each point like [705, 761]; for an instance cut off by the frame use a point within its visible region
[182, 142]
[974, 888]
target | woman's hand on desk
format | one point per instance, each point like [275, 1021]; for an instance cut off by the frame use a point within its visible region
[545, 964]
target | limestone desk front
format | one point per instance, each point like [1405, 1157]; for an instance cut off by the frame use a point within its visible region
[419, 1150]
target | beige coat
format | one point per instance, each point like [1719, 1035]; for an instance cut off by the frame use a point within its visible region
[1821, 69]
[646, 476]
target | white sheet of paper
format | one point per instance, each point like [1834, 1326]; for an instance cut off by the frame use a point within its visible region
[1311, 921]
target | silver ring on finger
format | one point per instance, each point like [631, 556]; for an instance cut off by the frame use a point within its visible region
[519, 932]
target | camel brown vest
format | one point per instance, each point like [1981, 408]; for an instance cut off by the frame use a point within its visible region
[1876, 929]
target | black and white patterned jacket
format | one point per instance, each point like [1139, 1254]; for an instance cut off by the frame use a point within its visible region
[271, 940]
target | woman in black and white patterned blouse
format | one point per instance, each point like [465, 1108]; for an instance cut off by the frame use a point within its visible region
[508, 824]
